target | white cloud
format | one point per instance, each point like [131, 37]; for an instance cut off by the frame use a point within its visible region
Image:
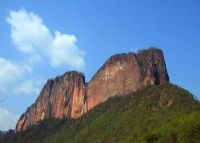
[13, 81]
[29, 87]
[10, 73]
[32, 37]
[28, 32]
[7, 120]
[65, 52]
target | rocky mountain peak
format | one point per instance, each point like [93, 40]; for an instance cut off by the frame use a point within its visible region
[69, 96]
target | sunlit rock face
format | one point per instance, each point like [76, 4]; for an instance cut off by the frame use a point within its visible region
[124, 73]
[69, 96]
[62, 97]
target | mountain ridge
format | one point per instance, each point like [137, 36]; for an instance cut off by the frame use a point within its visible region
[69, 96]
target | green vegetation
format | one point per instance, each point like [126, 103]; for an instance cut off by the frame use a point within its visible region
[160, 114]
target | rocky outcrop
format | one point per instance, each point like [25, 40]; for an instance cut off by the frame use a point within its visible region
[124, 73]
[69, 96]
[62, 97]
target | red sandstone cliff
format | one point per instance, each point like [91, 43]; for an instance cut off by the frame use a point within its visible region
[62, 97]
[69, 96]
[124, 73]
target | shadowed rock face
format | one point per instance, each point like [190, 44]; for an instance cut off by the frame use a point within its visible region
[69, 96]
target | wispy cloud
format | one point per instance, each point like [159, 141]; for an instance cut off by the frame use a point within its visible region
[32, 37]
[7, 120]
[12, 79]
[28, 87]
[11, 73]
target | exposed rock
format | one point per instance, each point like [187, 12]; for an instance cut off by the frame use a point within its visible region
[124, 73]
[62, 97]
[69, 96]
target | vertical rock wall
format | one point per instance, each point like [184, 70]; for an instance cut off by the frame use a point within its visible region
[69, 96]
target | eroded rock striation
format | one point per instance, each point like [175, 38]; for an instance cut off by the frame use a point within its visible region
[69, 96]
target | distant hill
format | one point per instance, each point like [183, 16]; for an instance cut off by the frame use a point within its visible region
[154, 114]
[6, 134]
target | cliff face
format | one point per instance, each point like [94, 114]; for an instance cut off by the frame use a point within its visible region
[62, 97]
[124, 73]
[69, 96]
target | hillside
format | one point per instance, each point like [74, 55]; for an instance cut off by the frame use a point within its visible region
[159, 113]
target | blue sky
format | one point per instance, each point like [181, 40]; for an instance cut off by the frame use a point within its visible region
[89, 32]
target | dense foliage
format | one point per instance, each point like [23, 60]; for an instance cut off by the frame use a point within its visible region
[161, 114]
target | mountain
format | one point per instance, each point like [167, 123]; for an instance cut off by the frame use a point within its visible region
[154, 114]
[6, 134]
[68, 96]
[2, 134]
